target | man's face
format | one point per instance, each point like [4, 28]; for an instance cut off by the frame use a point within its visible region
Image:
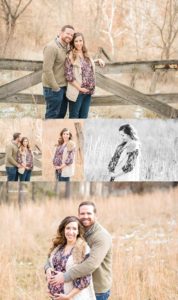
[87, 215]
[67, 35]
[19, 138]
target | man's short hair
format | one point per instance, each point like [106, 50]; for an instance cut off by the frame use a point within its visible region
[16, 135]
[67, 26]
[87, 203]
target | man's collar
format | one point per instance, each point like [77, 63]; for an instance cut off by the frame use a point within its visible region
[90, 229]
[58, 42]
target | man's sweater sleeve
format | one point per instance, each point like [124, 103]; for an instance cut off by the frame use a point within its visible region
[48, 64]
[9, 156]
[98, 252]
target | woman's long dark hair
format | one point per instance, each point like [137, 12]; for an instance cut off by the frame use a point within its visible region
[129, 130]
[21, 143]
[60, 238]
[84, 48]
[61, 140]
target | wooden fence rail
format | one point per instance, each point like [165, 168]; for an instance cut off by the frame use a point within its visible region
[121, 94]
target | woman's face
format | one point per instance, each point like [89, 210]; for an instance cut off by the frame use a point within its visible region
[124, 137]
[66, 136]
[25, 142]
[71, 232]
[78, 42]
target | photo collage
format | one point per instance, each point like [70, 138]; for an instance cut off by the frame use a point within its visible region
[89, 150]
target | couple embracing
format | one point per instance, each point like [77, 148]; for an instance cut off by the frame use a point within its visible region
[68, 75]
[18, 158]
[79, 261]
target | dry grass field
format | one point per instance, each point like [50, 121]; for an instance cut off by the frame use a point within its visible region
[145, 246]
[159, 148]
[51, 133]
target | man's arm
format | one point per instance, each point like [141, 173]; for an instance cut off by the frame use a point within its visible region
[98, 252]
[49, 57]
[9, 156]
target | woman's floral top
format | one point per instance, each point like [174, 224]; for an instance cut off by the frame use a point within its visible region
[25, 158]
[59, 263]
[131, 159]
[88, 78]
[58, 156]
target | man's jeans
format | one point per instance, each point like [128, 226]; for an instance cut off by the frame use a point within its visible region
[12, 173]
[56, 103]
[80, 108]
[102, 296]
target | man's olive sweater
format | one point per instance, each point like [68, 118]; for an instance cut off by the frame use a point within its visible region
[99, 263]
[11, 155]
[53, 65]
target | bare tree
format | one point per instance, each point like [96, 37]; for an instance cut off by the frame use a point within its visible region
[11, 13]
[109, 13]
[167, 27]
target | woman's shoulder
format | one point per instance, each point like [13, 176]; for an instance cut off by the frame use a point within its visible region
[132, 146]
[70, 145]
[80, 251]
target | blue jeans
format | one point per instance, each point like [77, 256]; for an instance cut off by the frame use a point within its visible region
[56, 103]
[102, 296]
[60, 178]
[80, 108]
[12, 173]
[26, 175]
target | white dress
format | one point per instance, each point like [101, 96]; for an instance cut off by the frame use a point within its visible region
[84, 294]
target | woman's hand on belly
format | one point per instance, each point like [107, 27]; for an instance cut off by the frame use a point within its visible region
[57, 167]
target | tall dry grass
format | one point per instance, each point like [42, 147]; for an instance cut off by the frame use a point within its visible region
[145, 246]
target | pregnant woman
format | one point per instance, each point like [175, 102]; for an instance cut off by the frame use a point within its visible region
[80, 74]
[64, 157]
[25, 159]
[124, 165]
[69, 248]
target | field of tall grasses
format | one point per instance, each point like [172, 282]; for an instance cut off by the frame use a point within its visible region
[159, 148]
[145, 246]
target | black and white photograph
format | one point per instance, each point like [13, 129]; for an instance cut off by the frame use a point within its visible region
[131, 150]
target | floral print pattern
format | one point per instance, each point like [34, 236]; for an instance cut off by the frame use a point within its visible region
[131, 160]
[25, 157]
[58, 157]
[88, 78]
[59, 263]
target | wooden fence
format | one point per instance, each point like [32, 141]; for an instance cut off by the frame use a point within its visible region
[121, 94]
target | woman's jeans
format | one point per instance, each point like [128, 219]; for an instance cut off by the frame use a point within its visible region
[26, 175]
[80, 108]
[56, 103]
[12, 173]
[102, 296]
[60, 178]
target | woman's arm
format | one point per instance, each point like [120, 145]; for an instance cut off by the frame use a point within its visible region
[131, 161]
[129, 165]
[69, 75]
[70, 158]
[100, 62]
